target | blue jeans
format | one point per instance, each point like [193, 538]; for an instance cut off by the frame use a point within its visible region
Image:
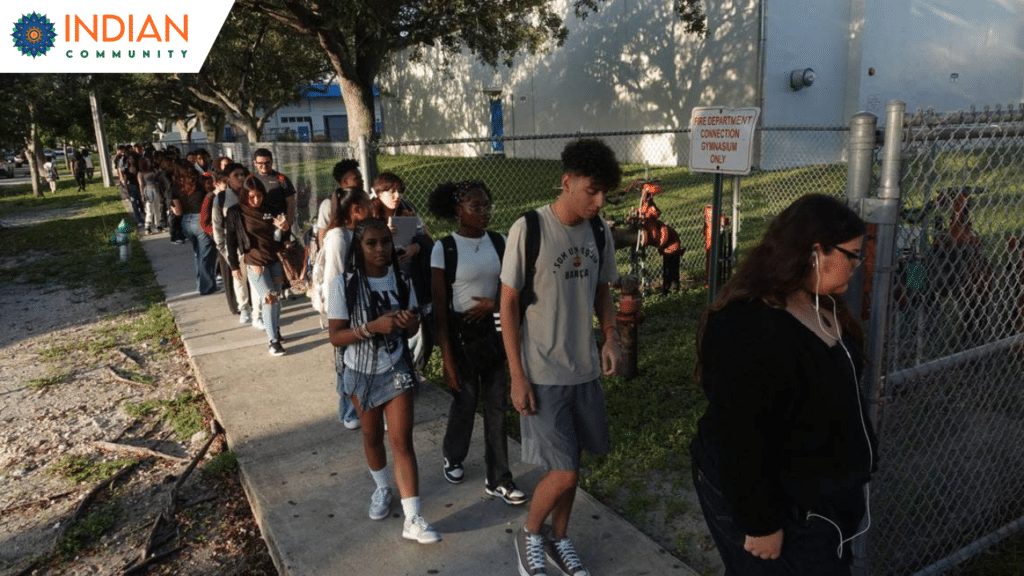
[205, 252]
[346, 410]
[271, 279]
[138, 207]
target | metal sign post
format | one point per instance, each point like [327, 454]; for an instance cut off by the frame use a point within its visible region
[721, 142]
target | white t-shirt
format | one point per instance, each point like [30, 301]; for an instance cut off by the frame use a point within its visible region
[335, 248]
[384, 291]
[557, 335]
[476, 273]
[323, 215]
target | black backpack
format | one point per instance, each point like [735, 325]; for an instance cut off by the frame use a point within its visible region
[527, 295]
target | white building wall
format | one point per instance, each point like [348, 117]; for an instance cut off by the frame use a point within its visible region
[917, 46]
[630, 66]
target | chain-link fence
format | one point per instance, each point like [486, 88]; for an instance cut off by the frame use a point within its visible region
[527, 175]
[951, 423]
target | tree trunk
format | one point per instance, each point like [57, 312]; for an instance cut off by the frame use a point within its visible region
[32, 151]
[359, 108]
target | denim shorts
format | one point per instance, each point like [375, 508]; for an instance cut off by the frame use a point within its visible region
[569, 420]
[373, 390]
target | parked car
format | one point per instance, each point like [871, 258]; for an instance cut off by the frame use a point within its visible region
[6, 170]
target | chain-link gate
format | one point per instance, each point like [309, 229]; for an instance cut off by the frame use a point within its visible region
[951, 402]
[527, 175]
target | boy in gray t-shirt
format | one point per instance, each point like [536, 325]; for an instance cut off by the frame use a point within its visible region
[553, 358]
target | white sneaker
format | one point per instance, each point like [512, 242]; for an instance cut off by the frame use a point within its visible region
[380, 503]
[416, 528]
[245, 316]
[351, 424]
[257, 323]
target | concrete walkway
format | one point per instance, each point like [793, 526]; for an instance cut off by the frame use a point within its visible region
[306, 475]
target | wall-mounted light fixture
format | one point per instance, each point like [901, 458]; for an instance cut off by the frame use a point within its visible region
[801, 78]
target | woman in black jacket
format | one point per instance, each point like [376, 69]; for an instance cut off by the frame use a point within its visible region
[784, 453]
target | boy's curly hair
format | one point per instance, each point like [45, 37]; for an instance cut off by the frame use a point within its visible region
[592, 158]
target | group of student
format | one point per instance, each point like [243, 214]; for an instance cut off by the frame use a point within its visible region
[386, 305]
[784, 447]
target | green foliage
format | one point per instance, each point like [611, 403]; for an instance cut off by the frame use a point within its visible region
[50, 380]
[157, 323]
[87, 530]
[221, 465]
[184, 412]
[84, 469]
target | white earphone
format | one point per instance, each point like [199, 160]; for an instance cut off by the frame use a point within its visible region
[860, 410]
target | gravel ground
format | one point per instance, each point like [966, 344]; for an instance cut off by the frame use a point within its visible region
[68, 370]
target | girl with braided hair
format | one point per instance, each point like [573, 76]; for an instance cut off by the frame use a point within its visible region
[371, 309]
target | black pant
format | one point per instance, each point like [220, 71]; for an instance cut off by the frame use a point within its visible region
[488, 385]
[809, 547]
[177, 232]
[226, 281]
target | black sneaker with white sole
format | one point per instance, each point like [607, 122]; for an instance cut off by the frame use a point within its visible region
[276, 349]
[453, 472]
[508, 492]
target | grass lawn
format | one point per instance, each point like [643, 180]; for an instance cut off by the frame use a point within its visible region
[73, 244]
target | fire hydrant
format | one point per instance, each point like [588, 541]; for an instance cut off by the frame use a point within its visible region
[629, 318]
[122, 239]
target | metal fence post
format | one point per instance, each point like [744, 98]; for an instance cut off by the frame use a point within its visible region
[369, 168]
[863, 137]
[884, 212]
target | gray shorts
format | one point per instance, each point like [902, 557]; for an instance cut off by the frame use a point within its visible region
[569, 420]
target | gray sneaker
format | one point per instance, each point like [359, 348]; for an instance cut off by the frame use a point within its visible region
[562, 554]
[530, 553]
[416, 528]
[380, 503]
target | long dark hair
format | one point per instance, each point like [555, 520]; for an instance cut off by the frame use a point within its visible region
[185, 178]
[780, 263]
[253, 184]
[342, 202]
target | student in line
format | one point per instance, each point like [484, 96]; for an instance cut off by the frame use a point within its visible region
[465, 285]
[371, 311]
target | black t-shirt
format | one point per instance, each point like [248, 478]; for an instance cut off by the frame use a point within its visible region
[783, 428]
[279, 188]
[190, 203]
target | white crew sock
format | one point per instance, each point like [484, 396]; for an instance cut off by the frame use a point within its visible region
[381, 477]
[411, 506]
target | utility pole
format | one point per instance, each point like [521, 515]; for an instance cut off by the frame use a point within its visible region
[101, 140]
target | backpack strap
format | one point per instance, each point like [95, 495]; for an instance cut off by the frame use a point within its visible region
[597, 225]
[499, 244]
[451, 261]
[527, 296]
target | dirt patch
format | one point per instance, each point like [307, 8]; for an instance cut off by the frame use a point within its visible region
[69, 376]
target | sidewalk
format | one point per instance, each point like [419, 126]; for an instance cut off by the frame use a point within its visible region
[306, 475]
